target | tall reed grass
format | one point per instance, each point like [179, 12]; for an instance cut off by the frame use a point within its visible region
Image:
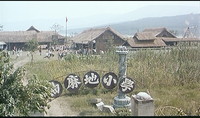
[171, 76]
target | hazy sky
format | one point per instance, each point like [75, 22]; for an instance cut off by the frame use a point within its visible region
[29, 10]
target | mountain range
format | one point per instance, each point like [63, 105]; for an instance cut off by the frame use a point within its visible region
[178, 24]
[172, 17]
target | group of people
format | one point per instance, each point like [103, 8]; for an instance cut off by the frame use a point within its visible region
[62, 52]
[18, 52]
[48, 54]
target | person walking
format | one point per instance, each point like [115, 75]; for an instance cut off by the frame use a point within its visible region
[40, 50]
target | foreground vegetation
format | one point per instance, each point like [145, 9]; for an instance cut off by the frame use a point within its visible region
[172, 77]
[18, 98]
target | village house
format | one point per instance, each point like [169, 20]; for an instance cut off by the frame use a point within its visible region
[169, 38]
[19, 38]
[144, 40]
[98, 38]
[160, 32]
[156, 38]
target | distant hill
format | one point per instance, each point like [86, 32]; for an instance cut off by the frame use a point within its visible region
[177, 23]
[169, 16]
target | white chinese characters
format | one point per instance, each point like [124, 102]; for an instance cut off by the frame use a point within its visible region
[109, 80]
[73, 82]
[91, 79]
[126, 85]
[57, 88]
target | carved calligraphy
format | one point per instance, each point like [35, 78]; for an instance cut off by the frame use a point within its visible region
[72, 82]
[126, 85]
[91, 79]
[57, 88]
[109, 80]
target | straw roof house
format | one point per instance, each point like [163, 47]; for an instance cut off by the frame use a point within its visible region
[160, 32]
[32, 28]
[144, 40]
[168, 37]
[98, 38]
[19, 38]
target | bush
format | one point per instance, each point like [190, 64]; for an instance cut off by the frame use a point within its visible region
[16, 98]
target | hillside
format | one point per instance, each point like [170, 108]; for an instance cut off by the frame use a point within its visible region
[126, 23]
[177, 23]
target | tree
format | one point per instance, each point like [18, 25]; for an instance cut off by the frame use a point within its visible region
[32, 46]
[16, 98]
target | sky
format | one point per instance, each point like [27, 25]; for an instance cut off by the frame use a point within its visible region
[28, 10]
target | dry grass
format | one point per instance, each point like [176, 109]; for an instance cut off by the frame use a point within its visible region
[171, 76]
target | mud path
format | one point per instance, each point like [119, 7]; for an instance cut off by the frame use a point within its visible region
[60, 105]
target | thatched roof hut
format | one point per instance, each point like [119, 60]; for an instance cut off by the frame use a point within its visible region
[98, 38]
[160, 32]
[17, 36]
[92, 34]
[46, 36]
[25, 36]
[145, 40]
[32, 28]
[144, 36]
[21, 37]
[168, 37]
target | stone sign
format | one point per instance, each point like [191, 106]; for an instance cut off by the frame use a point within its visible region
[72, 82]
[91, 79]
[126, 85]
[57, 91]
[109, 80]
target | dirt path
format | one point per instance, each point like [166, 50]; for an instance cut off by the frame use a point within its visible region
[59, 106]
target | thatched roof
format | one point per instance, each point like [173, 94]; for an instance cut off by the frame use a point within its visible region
[25, 36]
[144, 36]
[33, 28]
[170, 38]
[46, 36]
[157, 31]
[93, 33]
[17, 36]
[134, 43]
[180, 39]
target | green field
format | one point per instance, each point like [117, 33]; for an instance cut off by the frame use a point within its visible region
[172, 78]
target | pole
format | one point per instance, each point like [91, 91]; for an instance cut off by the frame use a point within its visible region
[66, 30]
[122, 100]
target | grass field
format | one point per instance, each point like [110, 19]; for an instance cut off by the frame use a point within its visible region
[171, 76]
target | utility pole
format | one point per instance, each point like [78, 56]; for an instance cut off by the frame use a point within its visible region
[66, 30]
